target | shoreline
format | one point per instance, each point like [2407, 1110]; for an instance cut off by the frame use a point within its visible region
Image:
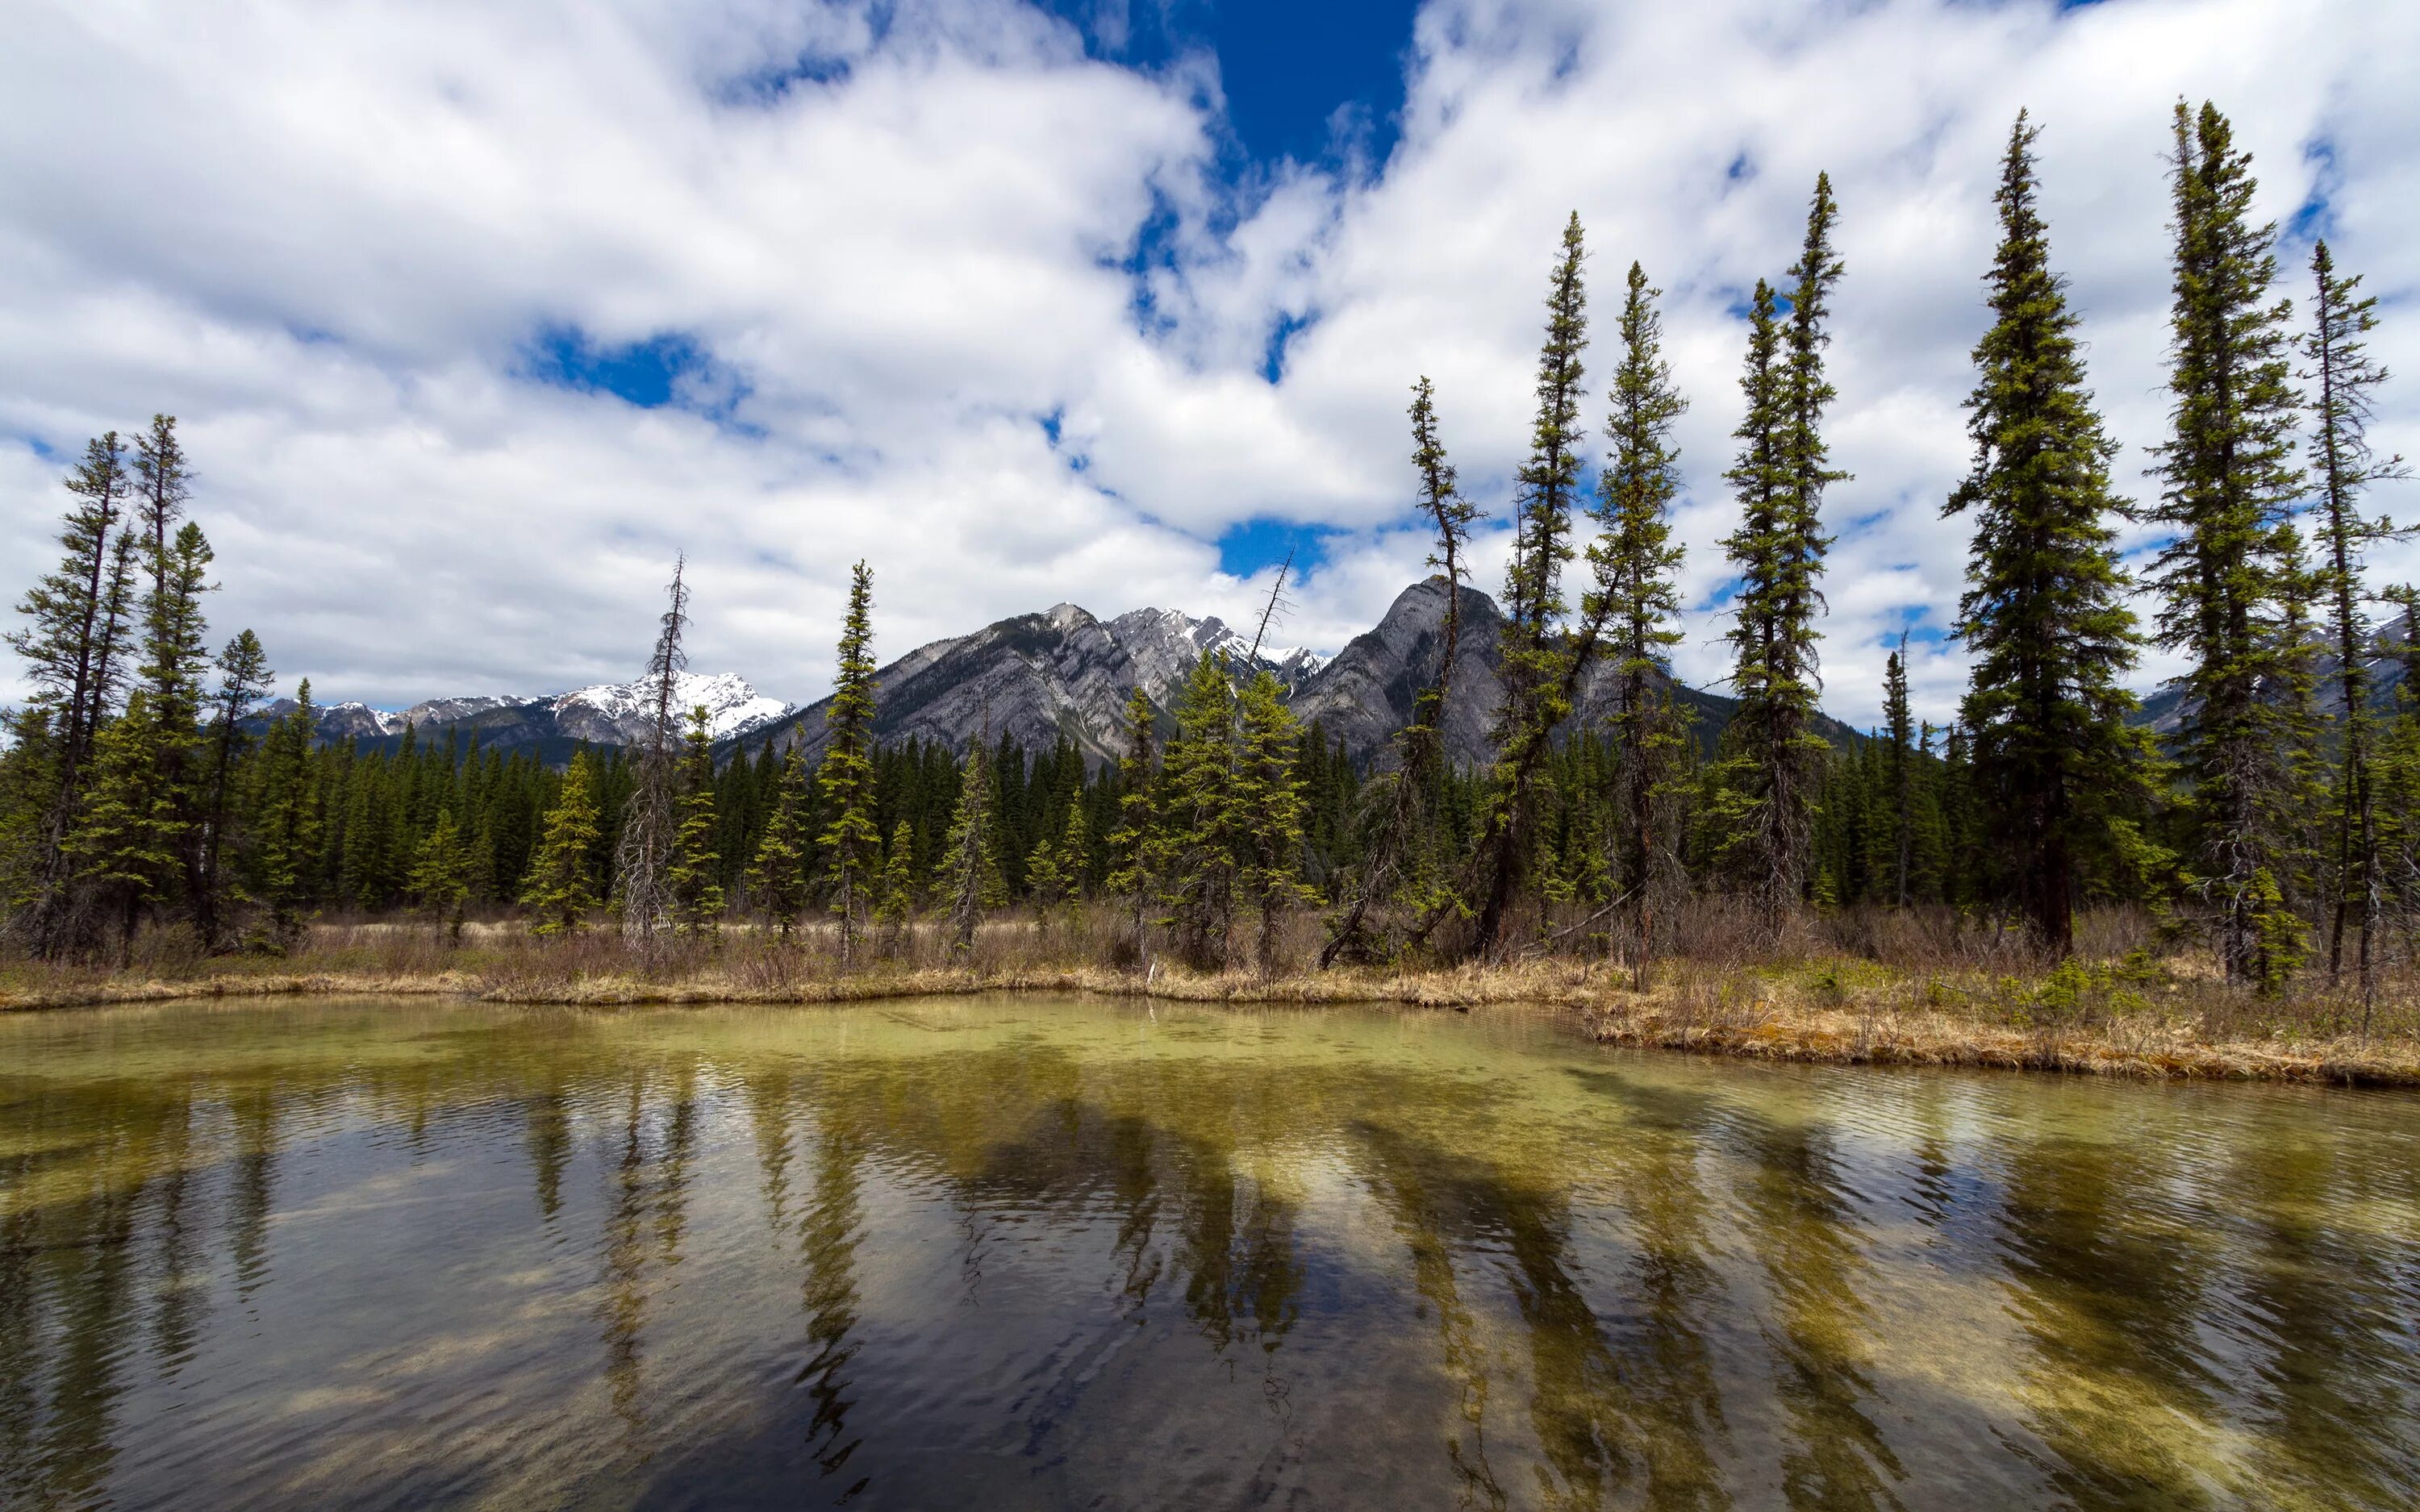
[2138, 1047]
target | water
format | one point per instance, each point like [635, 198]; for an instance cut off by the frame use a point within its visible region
[1027, 1254]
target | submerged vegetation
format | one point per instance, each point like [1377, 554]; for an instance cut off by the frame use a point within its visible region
[2043, 882]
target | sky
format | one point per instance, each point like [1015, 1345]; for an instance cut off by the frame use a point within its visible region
[475, 313]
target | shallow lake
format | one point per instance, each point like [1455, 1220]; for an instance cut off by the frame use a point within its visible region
[1018, 1253]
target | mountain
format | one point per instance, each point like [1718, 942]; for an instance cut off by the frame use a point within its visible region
[1038, 677]
[610, 714]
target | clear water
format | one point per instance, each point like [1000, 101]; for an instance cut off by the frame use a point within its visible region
[1029, 1253]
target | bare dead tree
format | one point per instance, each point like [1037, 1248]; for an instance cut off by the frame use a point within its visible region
[644, 860]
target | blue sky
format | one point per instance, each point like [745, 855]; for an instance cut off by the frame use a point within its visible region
[475, 314]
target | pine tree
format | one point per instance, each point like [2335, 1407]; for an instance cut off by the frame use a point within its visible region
[2341, 458]
[1131, 842]
[1267, 803]
[244, 681]
[970, 868]
[560, 892]
[1194, 856]
[695, 880]
[441, 873]
[1536, 663]
[2228, 477]
[286, 831]
[777, 879]
[1393, 865]
[124, 844]
[2045, 611]
[1634, 562]
[896, 911]
[1901, 773]
[851, 843]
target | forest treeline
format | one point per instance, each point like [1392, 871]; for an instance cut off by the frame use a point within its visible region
[2281, 816]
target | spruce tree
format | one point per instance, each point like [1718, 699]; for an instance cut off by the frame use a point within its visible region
[695, 882]
[1393, 864]
[561, 892]
[1634, 562]
[777, 878]
[1900, 775]
[1536, 662]
[244, 681]
[851, 843]
[897, 910]
[2228, 478]
[2344, 376]
[1130, 876]
[1267, 803]
[441, 873]
[1194, 857]
[2044, 612]
[284, 831]
[124, 844]
[969, 869]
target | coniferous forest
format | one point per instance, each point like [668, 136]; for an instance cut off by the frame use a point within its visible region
[150, 811]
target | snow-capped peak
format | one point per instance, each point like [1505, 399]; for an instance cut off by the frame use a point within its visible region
[732, 707]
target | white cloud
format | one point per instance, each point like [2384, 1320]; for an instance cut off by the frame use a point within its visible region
[328, 237]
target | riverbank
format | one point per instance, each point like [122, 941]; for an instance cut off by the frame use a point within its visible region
[2138, 1019]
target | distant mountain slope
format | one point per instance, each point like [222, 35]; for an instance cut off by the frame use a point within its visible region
[1038, 677]
[611, 714]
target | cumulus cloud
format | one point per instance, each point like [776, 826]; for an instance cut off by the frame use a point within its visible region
[933, 285]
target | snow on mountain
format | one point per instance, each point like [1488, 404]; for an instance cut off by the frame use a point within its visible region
[732, 707]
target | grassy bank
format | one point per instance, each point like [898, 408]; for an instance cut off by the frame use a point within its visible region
[2135, 1013]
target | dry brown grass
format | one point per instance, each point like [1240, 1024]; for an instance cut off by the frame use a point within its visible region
[1880, 987]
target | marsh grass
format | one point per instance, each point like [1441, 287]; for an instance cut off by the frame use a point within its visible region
[1913, 987]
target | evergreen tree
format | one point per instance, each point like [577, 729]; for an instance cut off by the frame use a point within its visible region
[441, 873]
[970, 868]
[1194, 854]
[286, 829]
[851, 843]
[1902, 774]
[1266, 803]
[561, 892]
[695, 880]
[2228, 477]
[244, 681]
[2045, 608]
[1535, 661]
[1130, 843]
[1396, 860]
[124, 844]
[896, 911]
[2344, 376]
[777, 878]
[1635, 562]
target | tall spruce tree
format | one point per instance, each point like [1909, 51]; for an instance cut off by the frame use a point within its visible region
[2343, 376]
[1536, 660]
[2046, 611]
[695, 879]
[1395, 863]
[1266, 802]
[852, 845]
[284, 831]
[561, 889]
[1194, 849]
[2227, 479]
[1900, 772]
[1130, 876]
[1634, 562]
[777, 878]
[969, 866]
[244, 679]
